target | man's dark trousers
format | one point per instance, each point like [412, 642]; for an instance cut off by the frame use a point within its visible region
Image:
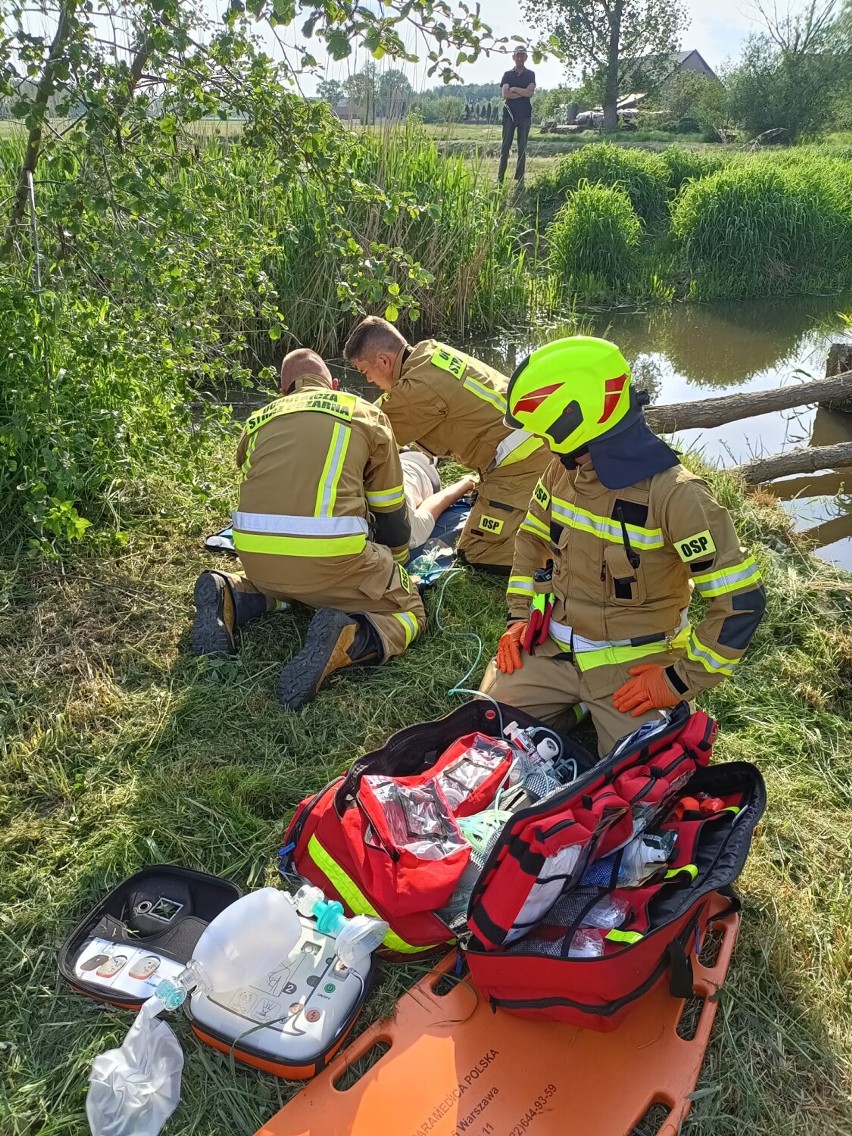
[509, 127]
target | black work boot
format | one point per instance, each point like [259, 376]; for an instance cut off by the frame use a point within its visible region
[334, 640]
[220, 610]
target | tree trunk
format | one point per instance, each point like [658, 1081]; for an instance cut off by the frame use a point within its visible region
[610, 97]
[808, 459]
[38, 114]
[706, 413]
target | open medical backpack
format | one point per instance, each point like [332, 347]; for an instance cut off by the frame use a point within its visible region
[553, 864]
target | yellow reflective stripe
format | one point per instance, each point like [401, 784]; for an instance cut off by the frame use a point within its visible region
[354, 898]
[612, 656]
[520, 452]
[521, 585]
[485, 393]
[409, 622]
[604, 527]
[400, 557]
[711, 660]
[386, 498]
[299, 545]
[690, 869]
[624, 936]
[532, 524]
[330, 477]
[728, 579]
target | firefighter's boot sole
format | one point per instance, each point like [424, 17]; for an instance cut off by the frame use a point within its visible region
[330, 639]
[214, 611]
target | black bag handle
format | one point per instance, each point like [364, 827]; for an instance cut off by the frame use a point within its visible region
[681, 979]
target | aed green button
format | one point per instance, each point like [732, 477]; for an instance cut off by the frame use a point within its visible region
[329, 987]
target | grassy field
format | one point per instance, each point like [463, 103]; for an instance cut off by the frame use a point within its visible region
[119, 749]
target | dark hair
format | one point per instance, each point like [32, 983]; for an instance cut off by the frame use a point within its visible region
[371, 335]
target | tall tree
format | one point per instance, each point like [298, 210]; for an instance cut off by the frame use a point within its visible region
[363, 90]
[395, 92]
[330, 91]
[793, 74]
[604, 39]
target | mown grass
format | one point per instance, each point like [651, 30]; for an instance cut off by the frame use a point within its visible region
[119, 749]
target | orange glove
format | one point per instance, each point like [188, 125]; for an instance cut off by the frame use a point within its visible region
[647, 691]
[509, 649]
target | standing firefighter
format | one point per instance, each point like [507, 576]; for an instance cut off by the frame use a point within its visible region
[617, 536]
[319, 467]
[453, 406]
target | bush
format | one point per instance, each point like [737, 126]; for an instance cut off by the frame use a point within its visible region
[688, 165]
[760, 229]
[643, 176]
[596, 234]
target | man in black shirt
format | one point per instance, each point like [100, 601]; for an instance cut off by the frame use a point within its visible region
[518, 87]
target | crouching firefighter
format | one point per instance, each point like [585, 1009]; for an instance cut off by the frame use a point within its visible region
[452, 405]
[322, 520]
[617, 538]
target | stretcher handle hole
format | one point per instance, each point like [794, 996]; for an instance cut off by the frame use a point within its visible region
[653, 1120]
[690, 1016]
[713, 939]
[361, 1065]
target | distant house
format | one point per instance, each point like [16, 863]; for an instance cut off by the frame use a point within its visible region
[659, 69]
[347, 112]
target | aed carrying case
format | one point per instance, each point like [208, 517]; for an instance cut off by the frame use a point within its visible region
[144, 930]
[291, 1023]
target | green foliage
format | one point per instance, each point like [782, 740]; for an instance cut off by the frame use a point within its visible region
[86, 419]
[688, 165]
[595, 236]
[642, 175]
[767, 228]
[801, 89]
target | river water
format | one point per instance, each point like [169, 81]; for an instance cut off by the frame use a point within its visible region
[685, 352]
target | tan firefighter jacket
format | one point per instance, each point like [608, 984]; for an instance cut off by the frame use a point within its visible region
[453, 406]
[624, 566]
[318, 466]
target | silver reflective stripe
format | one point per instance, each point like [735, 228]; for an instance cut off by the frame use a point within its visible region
[563, 633]
[329, 489]
[509, 445]
[297, 526]
[601, 526]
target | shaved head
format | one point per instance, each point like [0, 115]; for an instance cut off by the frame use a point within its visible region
[302, 362]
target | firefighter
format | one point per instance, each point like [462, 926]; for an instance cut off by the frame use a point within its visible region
[617, 537]
[452, 405]
[322, 519]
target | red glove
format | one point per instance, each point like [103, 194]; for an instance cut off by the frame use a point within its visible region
[647, 691]
[509, 648]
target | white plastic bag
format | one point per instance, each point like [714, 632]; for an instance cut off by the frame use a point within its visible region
[134, 1090]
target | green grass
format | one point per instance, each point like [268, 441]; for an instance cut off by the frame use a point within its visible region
[119, 750]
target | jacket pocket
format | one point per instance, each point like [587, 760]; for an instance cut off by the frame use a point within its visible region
[624, 582]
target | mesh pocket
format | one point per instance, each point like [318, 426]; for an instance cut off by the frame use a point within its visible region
[548, 936]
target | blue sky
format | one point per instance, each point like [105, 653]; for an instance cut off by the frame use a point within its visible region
[717, 30]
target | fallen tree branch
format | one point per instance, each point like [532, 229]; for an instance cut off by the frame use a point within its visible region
[808, 459]
[708, 412]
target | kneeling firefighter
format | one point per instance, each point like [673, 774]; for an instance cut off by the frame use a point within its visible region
[617, 536]
[322, 520]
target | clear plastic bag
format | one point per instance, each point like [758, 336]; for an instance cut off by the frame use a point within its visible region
[417, 817]
[609, 913]
[587, 942]
[133, 1090]
[472, 768]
